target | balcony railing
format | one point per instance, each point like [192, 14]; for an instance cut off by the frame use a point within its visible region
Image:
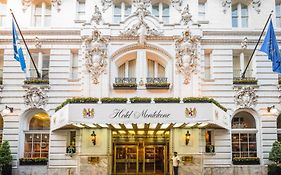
[157, 83]
[125, 83]
[156, 80]
[125, 80]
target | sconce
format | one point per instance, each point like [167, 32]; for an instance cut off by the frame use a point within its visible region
[94, 138]
[271, 109]
[187, 137]
[8, 110]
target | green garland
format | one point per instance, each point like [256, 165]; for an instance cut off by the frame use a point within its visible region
[203, 100]
[164, 85]
[245, 81]
[167, 100]
[140, 100]
[36, 81]
[129, 85]
[77, 100]
[114, 100]
[246, 161]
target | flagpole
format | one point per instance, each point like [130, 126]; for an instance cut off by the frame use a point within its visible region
[37, 72]
[244, 72]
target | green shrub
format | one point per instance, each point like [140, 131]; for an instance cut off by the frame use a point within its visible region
[159, 85]
[245, 81]
[34, 161]
[167, 100]
[203, 100]
[275, 153]
[140, 100]
[114, 100]
[129, 85]
[77, 100]
[36, 81]
[246, 161]
[5, 154]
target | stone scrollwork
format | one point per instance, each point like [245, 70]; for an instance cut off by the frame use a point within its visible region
[185, 15]
[25, 4]
[106, 4]
[35, 97]
[96, 17]
[56, 4]
[187, 55]
[256, 5]
[226, 4]
[177, 4]
[95, 54]
[245, 97]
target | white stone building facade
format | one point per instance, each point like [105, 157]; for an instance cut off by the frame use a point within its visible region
[82, 48]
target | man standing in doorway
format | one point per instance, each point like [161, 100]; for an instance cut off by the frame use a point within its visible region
[176, 162]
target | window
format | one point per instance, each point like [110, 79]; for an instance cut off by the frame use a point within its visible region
[3, 12]
[208, 64]
[279, 128]
[239, 15]
[128, 69]
[74, 64]
[278, 13]
[121, 11]
[42, 15]
[161, 11]
[201, 10]
[37, 137]
[244, 131]
[155, 69]
[1, 128]
[80, 10]
[1, 65]
[41, 59]
[240, 61]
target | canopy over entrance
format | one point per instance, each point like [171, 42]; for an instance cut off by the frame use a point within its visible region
[134, 116]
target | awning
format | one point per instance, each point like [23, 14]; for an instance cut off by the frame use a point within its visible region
[201, 115]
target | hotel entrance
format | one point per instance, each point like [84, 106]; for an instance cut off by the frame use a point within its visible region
[141, 154]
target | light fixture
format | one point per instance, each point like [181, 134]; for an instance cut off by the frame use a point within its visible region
[8, 110]
[94, 137]
[187, 137]
[271, 109]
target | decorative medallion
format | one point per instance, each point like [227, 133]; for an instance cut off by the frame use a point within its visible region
[35, 97]
[190, 112]
[96, 17]
[185, 15]
[246, 97]
[141, 28]
[187, 55]
[106, 4]
[95, 54]
[88, 113]
[177, 4]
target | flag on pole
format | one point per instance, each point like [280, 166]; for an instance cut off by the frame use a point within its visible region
[18, 54]
[270, 47]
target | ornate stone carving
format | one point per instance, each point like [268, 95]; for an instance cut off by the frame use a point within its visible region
[256, 5]
[56, 4]
[245, 97]
[177, 4]
[185, 15]
[226, 4]
[35, 97]
[95, 54]
[141, 28]
[96, 17]
[106, 4]
[244, 43]
[187, 55]
[38, 43]
[27, 3]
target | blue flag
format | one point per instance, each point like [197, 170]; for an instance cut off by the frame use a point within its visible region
[18, 54]
[270, 47]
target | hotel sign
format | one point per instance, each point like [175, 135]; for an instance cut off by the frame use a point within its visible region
[145, 113]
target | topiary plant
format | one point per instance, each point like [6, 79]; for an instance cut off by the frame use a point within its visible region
[275, 153]
[6, 158]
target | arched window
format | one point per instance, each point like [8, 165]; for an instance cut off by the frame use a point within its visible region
[127, 69]
[279, 128]
[1, 128]
[239, 15]
[244, 131]
[162, 11]
[37, 136]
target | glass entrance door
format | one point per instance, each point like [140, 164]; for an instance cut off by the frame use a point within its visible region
[125, 157]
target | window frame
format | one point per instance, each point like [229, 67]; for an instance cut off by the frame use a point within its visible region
[39, 62]
[239, 16]
[42, 15]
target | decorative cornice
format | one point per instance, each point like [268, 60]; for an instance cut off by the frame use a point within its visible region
[137, 46]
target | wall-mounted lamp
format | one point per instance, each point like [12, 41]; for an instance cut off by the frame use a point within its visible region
[8, 110]
[94, 138]
[271, 109]
[187, 137]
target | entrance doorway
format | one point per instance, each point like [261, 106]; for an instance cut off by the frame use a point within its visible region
[140, 154]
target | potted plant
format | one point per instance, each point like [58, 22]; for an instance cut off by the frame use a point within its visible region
[140, 100]
[246, 161]
[6, 158]
[157, 85]
[125, 85]
[210, 148]
[275, 156]
[36, 81]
